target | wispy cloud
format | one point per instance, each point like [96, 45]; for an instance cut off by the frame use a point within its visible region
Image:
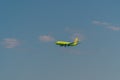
[101, 23]
[10, 43]
[46, 38]
[107, 25]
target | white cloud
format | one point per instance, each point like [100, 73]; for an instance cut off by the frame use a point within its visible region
[46, 38]
[10, 43]
[100, 23]
[107, 25]
[96, 22]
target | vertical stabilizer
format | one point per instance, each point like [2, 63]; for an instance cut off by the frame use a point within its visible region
[76, 40]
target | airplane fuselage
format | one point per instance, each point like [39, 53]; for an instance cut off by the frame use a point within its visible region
[66, 43]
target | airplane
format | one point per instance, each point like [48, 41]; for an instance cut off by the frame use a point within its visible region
[66, 43]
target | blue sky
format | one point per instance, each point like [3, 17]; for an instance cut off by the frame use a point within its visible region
[29, 29]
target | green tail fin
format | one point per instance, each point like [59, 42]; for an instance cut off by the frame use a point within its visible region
[76, 40]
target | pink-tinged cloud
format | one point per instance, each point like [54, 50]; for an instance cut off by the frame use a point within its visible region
[46, 38]
[114, 28]
[79, 35]
[75, 33]
[10, 43]
[107, 25]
